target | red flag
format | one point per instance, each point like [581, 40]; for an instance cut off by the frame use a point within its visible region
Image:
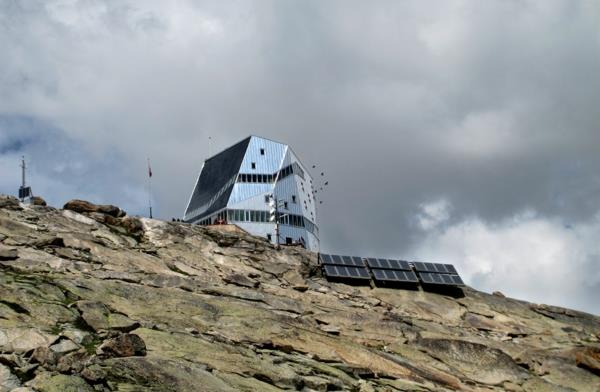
[149, 169]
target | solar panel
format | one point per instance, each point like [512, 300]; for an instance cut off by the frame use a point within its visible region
[24, 192]
[353, 261]
[325, 258]
[388, 264]
[434, 267]
[341, 271]
[386, 275]
[444, 279]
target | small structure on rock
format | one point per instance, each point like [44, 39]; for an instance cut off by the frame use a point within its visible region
[24, 191]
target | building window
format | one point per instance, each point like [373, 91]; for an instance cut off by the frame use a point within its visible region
[293, 198]
[254, 165]
[262, 151]
[285, 205]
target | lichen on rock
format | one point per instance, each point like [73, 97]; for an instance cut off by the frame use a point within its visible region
[92, 299]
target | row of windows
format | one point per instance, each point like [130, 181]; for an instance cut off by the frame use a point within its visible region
[220, 217]
[248, 216]
[256, 178]
[259, 216]
[263, 216]
[294, 168]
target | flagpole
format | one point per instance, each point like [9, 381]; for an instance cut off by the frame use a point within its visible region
[150, 188]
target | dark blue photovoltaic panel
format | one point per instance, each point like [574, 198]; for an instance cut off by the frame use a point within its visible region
[435, 268]
[352, 261]
[341, 271]
[443, 279]
[24, 192]
[388, 264]
[386, 275]
[325, 258]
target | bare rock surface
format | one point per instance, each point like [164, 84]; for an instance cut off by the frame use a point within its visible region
[92, 299]
[8, 381]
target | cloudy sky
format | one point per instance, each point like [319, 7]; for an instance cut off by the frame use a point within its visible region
[465, 132]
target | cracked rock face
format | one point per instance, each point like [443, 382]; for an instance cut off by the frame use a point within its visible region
[94, 300]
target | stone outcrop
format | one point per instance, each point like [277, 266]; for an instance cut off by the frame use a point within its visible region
[82, 206]
[92, 299]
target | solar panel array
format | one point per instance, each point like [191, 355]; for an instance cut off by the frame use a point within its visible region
[388, 271]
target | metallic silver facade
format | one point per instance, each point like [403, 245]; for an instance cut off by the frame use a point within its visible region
[248, 204]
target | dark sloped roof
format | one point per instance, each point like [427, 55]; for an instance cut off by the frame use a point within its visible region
[216, 172]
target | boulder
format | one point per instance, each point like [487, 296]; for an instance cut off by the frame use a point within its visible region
[65, 346]
[8, 381]
[589, 358]
[95, 314]
[7, 253]
[330, 329]
[125, 345]
[82, 206]
[241, 280]
[133, 226]
[22, 340]
[93, 373]
[10, 203]
[120, 322]
[44, 356]
[60, 383]
[73, 362]
[38, 201]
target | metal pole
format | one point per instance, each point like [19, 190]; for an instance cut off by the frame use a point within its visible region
[23, 171]
[23, 166]
[276, 222]
[149, 188]
[276, 210]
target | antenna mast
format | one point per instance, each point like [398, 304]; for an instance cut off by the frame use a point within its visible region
[150, 187]
[23, 167]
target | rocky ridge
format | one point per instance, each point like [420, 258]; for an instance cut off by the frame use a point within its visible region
[92, 299]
